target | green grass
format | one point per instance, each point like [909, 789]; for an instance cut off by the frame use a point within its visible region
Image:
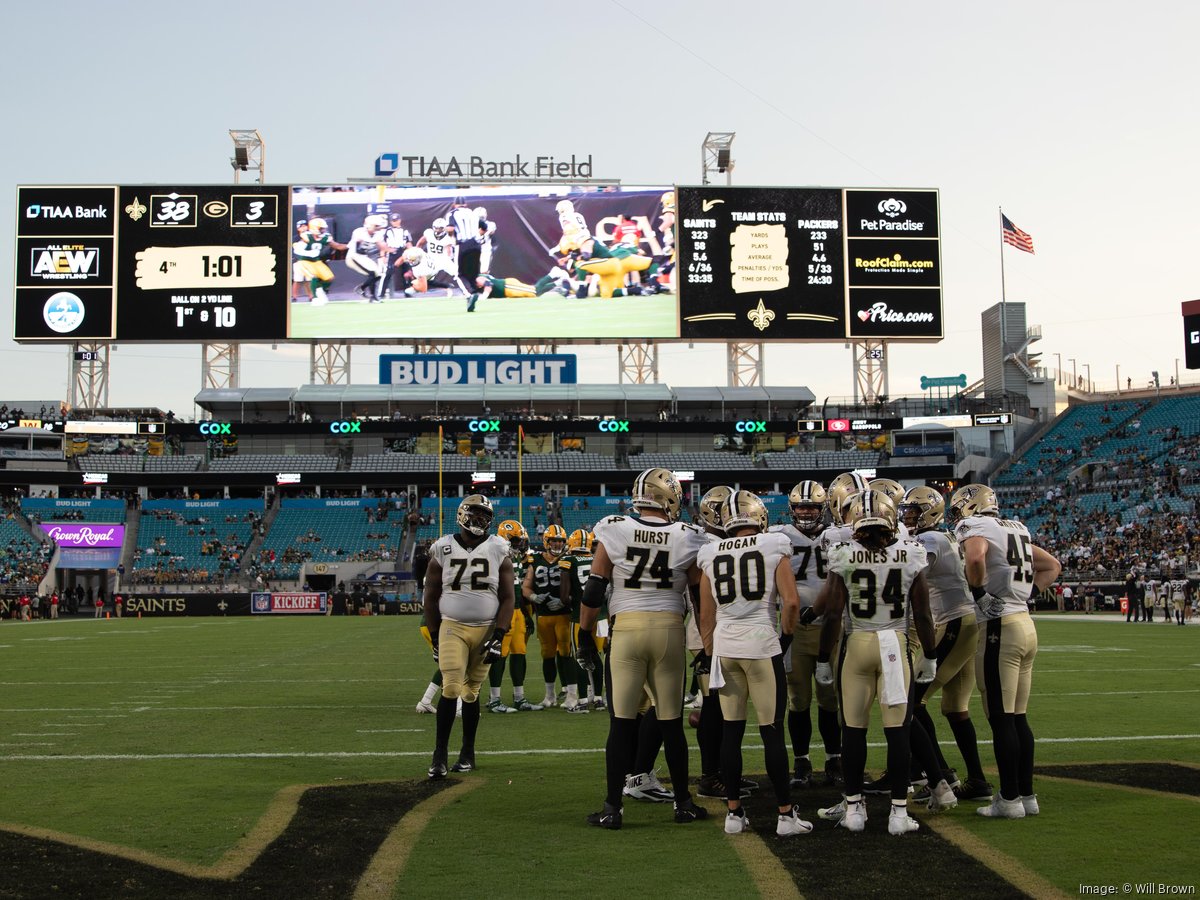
[552, 316]
[231, 711]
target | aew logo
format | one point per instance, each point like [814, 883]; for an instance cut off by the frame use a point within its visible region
[65, 262]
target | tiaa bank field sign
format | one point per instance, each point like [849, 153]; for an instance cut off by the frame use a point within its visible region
[477, 368]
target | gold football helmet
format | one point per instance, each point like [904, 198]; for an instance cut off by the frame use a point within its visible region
[580, 541]
[889, 486]
[475, 514]
[807, 502]
[841, 488]
[711, 505]
[974, 500]
[870, 509]
[658, 489]
[744, 509]
[922, 508]
[554, 539]
[516, 535]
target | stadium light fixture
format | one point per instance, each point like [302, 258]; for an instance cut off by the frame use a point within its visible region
[248, 153]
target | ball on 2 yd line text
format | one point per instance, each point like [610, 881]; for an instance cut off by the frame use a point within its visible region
[694, 718]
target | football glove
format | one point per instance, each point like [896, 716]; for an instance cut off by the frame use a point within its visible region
[529, 626]
[785, 643]
[808, 615]
[702, 663]
[824, 674]
[990, 605]
[926, 669]
[435, 650]
[492, 647]
[586, 653]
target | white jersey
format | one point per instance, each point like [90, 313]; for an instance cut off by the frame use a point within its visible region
[574, 228]
[441, 252]
[1179, 590]
[363, 243]
[949, 594]
[808, 562]
[470, 578]
[397, 238]
[741, 571]
[1009, 560]
[650, 561]
[841, 534]
[877, 583]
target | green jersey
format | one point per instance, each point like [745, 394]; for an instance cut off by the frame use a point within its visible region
[576, 568]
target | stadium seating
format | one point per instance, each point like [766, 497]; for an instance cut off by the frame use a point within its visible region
[103, 462]
[23, 559]
[345, 535]
[691, 461]
[839, 460]
[189, 547]
[274, 462]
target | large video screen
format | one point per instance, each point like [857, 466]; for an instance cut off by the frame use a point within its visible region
[815, 264]
[500, 262]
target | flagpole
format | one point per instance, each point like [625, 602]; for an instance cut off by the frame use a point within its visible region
[440, 441]
[1003, 309]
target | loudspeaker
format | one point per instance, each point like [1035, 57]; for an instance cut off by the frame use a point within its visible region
[241, 158]
[723, 160]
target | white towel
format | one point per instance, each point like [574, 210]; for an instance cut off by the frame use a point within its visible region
[715, 679]
[890, 658]
[602, 628]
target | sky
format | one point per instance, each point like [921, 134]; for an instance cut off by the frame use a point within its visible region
[1079, 119]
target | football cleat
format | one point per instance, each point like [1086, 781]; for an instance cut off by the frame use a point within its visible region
[609, 817]
[833, 813]
[749, 785]
[549, 701]
[737, 822]
[524, 705]
[688, 811]
[437, 769]
[975, 789]
[580, 708]
[802, 774]
[900, 822]
[941, 797]
[1000, 808]
[466, 763]
[1031, 805]
[881, 786]
[790, 824]
[833, 771]
[647, 787]
[496, 706]
[855, 816]
[599, 703]
[424, 707]
[712, 786]
[472, 300]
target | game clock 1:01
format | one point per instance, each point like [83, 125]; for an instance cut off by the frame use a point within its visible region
[207, 264]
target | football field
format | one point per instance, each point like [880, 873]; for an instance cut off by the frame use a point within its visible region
[229, 757]
[549, 316]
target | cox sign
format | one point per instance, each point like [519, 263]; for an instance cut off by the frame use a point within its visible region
[613, 425]
[482, 425]
[216, 428]
[346, 427]
[748, 426]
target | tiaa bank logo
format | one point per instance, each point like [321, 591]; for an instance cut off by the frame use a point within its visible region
[63, 312]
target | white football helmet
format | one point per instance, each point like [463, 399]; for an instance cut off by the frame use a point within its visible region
[564, 207]
[439, 227]
[375, 221]
[475, 514]
[480, 211]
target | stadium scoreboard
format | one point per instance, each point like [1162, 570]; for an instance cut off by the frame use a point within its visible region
[148, 263]
[818, 264]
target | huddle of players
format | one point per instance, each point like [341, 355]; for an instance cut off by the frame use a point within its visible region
[879, 581]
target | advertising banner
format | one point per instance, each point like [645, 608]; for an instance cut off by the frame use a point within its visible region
[219, 604]
[78, 534]
[477, 368]
[285, 603]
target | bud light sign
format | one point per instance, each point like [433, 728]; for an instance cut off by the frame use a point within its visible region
[72, 534]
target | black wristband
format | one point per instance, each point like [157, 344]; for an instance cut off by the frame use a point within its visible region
[498, 634]
[822, 657]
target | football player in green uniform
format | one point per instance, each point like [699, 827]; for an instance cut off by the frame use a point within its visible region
[576, 567]
[514, 644]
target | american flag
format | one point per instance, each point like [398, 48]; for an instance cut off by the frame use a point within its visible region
[1015, 236]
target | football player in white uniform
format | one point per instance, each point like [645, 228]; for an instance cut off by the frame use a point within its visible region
[807, 503]
[1004, 569]
[441, 251]
[923, 511]
[469, 600]
[877, 581]
[650, 559]
[368, 254]
[744, 576]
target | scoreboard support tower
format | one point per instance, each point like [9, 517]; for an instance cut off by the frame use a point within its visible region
[745, 363]
[870, 371]
[329, 363]
[220, 366]
[637, 363]
[87, 381]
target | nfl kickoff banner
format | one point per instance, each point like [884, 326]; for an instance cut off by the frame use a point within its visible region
[477, 368]
[288, 603]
